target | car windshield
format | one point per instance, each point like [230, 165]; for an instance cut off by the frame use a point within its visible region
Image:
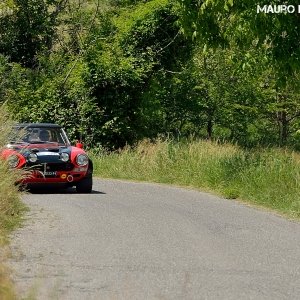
[40, 135]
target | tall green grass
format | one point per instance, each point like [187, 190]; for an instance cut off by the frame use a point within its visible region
[11, 207]
[10, 204]
[267, 177]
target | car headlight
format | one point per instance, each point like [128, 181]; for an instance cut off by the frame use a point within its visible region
[64, 156]
[32, 157]
[13, 161]
[82, 160]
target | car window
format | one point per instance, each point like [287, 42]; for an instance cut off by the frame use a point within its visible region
[42, 135]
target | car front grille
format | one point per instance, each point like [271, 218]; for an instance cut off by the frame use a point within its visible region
[50, 167]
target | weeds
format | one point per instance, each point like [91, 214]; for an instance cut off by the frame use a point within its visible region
[10, 204]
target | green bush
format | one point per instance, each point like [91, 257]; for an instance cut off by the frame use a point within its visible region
[11, 207]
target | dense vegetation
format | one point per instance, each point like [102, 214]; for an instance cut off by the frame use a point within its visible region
[114, 72]
[11, 207]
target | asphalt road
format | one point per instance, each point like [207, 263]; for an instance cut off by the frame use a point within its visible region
[146, 241]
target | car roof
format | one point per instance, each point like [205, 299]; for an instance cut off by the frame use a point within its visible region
[40, 125]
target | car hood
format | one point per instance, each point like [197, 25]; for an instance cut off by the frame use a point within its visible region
[45, 152]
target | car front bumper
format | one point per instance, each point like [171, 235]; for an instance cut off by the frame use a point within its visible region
[57, 177]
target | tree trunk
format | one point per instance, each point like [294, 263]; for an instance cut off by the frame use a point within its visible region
[209, 128]
[283, 123]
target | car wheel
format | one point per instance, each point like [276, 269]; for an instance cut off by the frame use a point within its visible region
[85, 185]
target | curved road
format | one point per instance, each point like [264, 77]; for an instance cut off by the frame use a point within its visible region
[147, 241]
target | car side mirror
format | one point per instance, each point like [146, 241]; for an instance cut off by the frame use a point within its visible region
[79, 145]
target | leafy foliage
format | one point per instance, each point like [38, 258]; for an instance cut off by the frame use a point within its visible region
[121, 67]
[28, 28]
[114, 72]
[223, 23]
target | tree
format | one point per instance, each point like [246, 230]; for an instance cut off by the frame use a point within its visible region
[28, 27]
[223, 23]
[122, 64]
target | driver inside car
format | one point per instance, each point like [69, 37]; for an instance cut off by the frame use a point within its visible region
[44, 136]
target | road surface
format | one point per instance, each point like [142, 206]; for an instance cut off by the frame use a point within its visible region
[146, 241]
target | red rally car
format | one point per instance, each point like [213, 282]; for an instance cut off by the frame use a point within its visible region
[45, 151]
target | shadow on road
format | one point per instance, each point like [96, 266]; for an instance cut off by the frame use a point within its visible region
[59, 191]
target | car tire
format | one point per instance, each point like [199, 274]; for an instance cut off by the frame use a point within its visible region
[85, 185]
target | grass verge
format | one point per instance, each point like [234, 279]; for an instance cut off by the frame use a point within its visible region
[11, 208]
[265, 177]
